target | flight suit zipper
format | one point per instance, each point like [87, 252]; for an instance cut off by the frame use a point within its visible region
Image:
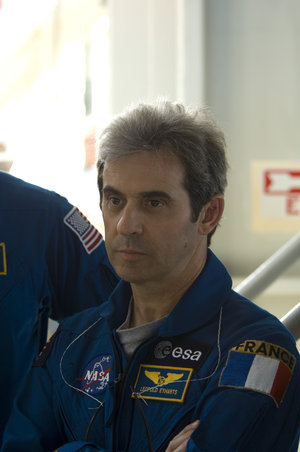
[121, 378]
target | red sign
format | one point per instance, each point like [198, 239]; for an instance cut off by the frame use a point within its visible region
[281, 182]
[284, 182]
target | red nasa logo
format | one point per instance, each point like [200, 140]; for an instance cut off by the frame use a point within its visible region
[95, 375]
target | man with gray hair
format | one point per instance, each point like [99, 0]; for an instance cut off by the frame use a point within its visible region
[175, 360]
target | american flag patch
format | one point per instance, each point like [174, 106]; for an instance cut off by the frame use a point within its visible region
[259, 366]
[87, 233]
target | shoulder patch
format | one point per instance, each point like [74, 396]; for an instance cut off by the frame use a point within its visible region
[89, 236]
[46, 350]
[259, 366]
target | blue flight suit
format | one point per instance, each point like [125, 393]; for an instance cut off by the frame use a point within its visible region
[52, 263]
[217, 357]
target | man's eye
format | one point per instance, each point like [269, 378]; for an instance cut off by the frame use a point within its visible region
[114, 201]
[155, 203]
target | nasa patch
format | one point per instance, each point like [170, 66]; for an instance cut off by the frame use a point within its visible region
[95, 376]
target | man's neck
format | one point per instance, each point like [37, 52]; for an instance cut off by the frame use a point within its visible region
[148, 311]
[151, 302]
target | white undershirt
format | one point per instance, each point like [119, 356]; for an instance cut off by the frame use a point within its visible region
[131, 338]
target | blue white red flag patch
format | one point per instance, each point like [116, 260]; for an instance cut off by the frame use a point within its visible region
[89, 236]
[259, 366]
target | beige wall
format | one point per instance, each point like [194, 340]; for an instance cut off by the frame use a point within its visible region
[252, 73]
[238, 57]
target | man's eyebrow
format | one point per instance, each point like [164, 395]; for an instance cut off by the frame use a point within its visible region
[155, 194]
[144, 194]
[111, 190]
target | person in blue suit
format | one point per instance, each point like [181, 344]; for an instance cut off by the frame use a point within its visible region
[53, 263]
[175, 360]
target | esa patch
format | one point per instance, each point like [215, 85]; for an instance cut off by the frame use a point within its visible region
[162, 383]
[89, 236]
[95, 375]
[178, 352]
[3, 265]
[259, 366]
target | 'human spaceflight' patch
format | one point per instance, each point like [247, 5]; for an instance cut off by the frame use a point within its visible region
[163, 383]
[259, 366]
[89, 236]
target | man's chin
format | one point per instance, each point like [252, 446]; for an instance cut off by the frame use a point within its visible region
[133, 277]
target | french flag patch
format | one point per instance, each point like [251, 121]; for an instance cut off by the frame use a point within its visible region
[259, 366]
[89, 236]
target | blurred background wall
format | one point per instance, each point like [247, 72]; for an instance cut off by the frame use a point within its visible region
[66, 65]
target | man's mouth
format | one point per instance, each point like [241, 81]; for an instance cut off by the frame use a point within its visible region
[130, 254]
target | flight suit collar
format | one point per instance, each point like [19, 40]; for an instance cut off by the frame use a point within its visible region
[198, 306]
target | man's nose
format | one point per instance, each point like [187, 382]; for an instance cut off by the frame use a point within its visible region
[130, 221]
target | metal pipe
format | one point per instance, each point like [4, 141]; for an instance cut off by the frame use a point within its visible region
[267, 272]
[292, 321]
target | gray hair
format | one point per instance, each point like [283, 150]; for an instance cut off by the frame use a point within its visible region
[191, 135]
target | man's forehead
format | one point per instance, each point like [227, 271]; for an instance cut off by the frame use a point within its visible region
[147, 171]
[162, 159]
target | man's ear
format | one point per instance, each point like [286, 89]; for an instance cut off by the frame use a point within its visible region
[211, 214]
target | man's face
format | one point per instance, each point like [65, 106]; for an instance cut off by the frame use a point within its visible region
[147, 217]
